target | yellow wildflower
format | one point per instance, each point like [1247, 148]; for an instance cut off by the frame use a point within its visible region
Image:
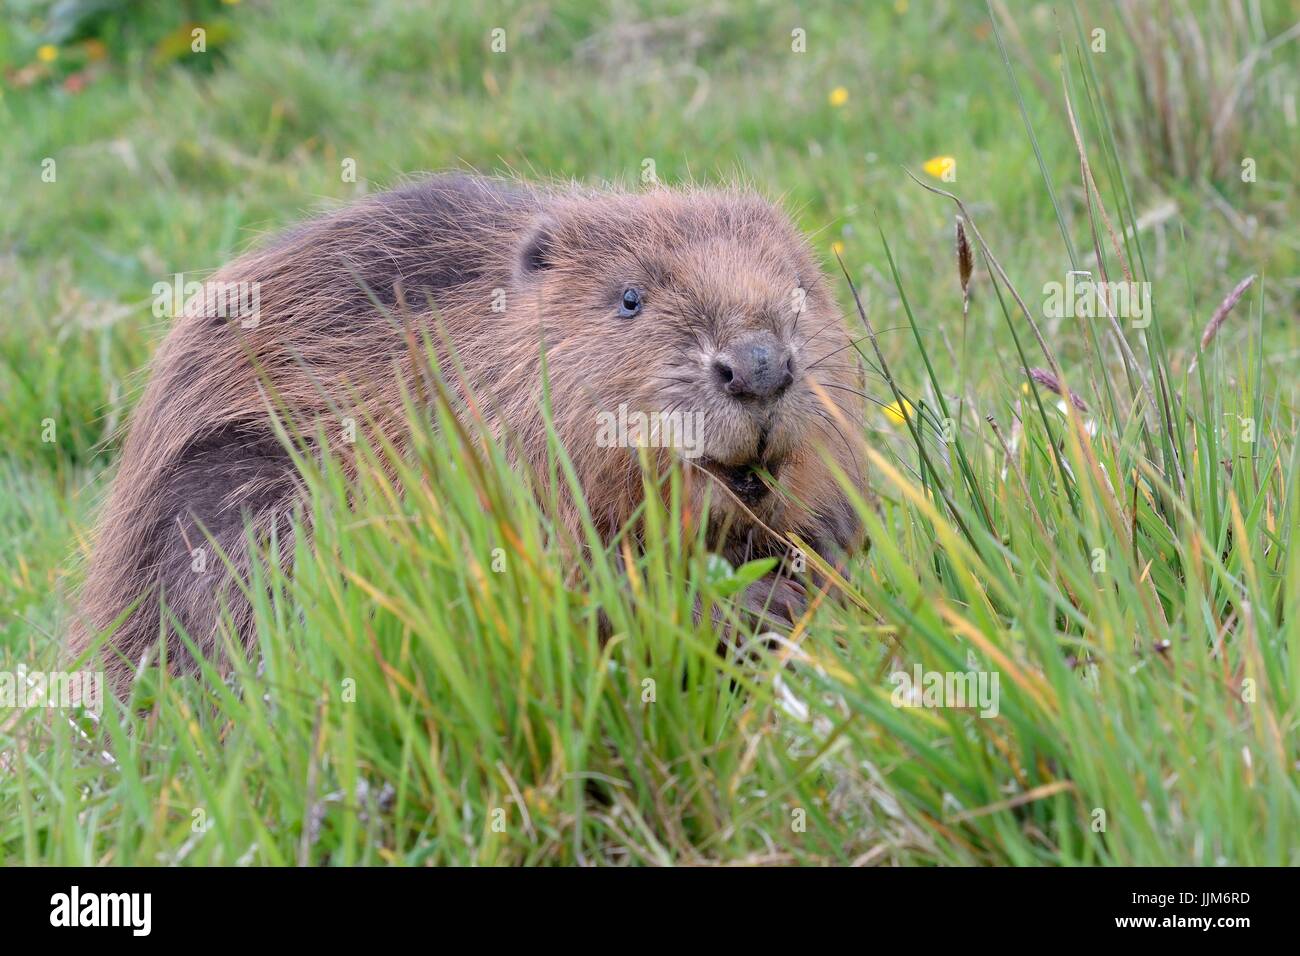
[897, 415]
[48, 53]
[839, 96]
[938, 166]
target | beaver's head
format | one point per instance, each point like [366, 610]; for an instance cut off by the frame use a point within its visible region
[696, 322]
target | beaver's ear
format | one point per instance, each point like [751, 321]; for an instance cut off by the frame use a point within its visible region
[538, 249]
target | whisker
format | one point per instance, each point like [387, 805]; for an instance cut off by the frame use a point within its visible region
[857, 464]
[849, 368]
[813, 337]
[845, 388]
[852, 344]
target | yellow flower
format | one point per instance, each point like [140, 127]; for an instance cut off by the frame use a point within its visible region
[839, 96]
[895, 414]
[837, 247]
[47, 53]
[937, 166]
[900, 6]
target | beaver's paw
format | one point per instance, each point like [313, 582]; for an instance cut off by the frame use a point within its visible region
[837, 534]
[774, 601]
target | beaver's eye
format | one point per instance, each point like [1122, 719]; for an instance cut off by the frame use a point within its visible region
[631, 303]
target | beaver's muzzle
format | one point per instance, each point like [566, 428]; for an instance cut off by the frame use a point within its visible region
[758, 367]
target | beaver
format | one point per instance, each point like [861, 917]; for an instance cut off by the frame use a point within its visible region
[683, 298]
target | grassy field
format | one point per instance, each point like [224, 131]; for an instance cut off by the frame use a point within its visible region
[431, 688]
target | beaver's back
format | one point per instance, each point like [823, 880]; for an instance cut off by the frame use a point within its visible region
[202, 459]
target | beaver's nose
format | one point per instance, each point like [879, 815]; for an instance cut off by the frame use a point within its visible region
[757, 367]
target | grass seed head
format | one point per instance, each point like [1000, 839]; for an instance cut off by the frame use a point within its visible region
[1050, 382]
[965, 260]
[965, 265]
[1221, 313]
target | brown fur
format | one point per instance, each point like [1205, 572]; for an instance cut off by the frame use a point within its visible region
[201, 457]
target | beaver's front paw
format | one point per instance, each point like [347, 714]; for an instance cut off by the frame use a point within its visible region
[774, 601]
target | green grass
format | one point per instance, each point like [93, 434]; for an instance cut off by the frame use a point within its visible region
[1129, 574]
